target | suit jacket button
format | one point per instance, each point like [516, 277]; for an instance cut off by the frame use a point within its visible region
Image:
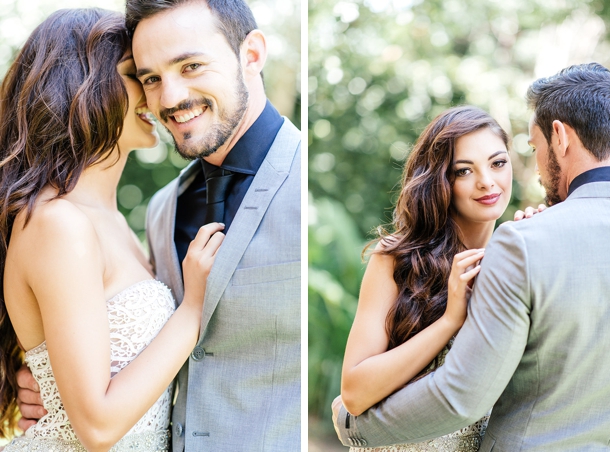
[178, 429]
[198, 353]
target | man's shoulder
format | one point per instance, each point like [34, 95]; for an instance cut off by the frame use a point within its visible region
[163, 196]
[548, 230]
[288, 135]
[285, 148]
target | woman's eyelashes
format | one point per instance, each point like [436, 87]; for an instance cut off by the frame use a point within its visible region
[465, 171]
[499, 163]
[461, 172]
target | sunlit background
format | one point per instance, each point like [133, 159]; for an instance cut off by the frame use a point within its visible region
[150, 169]
[379, 71]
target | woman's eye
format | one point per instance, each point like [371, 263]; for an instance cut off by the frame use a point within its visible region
[462, 172]
[132, 76]
[499, 163]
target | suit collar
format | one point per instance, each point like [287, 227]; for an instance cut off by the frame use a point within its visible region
[593, 175]
[599, 189]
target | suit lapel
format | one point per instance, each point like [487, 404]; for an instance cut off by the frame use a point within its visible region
[169, 223]
[269, 178]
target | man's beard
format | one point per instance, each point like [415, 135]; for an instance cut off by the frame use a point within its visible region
[218, 133]
[551, 186]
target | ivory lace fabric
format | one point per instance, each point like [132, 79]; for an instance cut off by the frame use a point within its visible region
[467, 439]
[136, 315]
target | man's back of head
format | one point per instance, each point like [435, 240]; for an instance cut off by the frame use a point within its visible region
[578, 96]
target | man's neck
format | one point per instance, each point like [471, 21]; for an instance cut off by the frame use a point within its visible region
[256, 105]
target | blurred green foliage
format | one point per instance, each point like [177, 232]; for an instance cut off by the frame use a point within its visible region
[379, 71]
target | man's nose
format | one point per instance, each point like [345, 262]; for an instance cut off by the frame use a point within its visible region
[173, 92]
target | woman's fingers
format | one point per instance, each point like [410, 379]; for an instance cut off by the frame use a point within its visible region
[207, 255]
[529, 212]
[204, 234]
[213, 244]
[466, 261]
[467, 276]
[465, 268]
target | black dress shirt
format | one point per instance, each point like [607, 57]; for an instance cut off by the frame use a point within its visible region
[244, 159]
[601, 174]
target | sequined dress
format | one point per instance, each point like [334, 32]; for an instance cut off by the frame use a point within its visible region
[136, 315]
[467, 439]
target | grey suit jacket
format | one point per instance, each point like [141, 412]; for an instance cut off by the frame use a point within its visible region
[535, 343]
[240, 389]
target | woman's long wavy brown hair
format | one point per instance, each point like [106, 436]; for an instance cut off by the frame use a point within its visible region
[62, 106]
[425, 238]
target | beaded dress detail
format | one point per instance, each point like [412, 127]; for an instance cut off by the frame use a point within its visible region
[136, 315]
[467, 439]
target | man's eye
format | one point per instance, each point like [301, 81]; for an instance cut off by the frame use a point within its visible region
[192, 67]
[150, 80]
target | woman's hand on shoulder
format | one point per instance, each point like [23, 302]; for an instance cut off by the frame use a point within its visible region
[198, 261]
[529, 212]
[466, 265]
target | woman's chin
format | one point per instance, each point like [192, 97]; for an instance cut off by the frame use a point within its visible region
[151, 141]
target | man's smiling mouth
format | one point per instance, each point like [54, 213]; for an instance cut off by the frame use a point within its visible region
[189, 115]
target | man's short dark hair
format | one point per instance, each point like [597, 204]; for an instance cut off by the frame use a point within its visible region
[234, 17]
[578, 96]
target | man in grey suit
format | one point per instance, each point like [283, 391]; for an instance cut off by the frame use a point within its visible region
[535, 343]
[200, 63]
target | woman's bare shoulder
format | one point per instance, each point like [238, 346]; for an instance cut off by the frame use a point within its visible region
[57, 216]
[55, 226]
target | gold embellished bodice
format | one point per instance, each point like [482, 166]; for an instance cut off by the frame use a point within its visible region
[135, 315]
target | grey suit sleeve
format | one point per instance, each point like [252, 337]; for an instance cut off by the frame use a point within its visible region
[479, 366]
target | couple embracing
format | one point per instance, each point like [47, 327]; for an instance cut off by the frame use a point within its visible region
[104, 336]
[430, 353]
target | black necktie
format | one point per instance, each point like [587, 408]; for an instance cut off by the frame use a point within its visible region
[217, 184]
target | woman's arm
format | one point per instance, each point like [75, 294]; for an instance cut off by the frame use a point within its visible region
[370, 371]
[67, 280]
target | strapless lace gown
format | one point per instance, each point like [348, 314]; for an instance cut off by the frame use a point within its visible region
[467, 439]
[136, 315]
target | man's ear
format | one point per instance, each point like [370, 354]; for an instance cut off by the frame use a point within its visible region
[560, 138]
[253, 53]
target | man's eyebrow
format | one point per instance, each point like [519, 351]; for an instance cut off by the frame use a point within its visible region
[185, 56]
[176, 60]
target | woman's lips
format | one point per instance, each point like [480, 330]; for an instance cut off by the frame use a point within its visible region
[488, 200]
